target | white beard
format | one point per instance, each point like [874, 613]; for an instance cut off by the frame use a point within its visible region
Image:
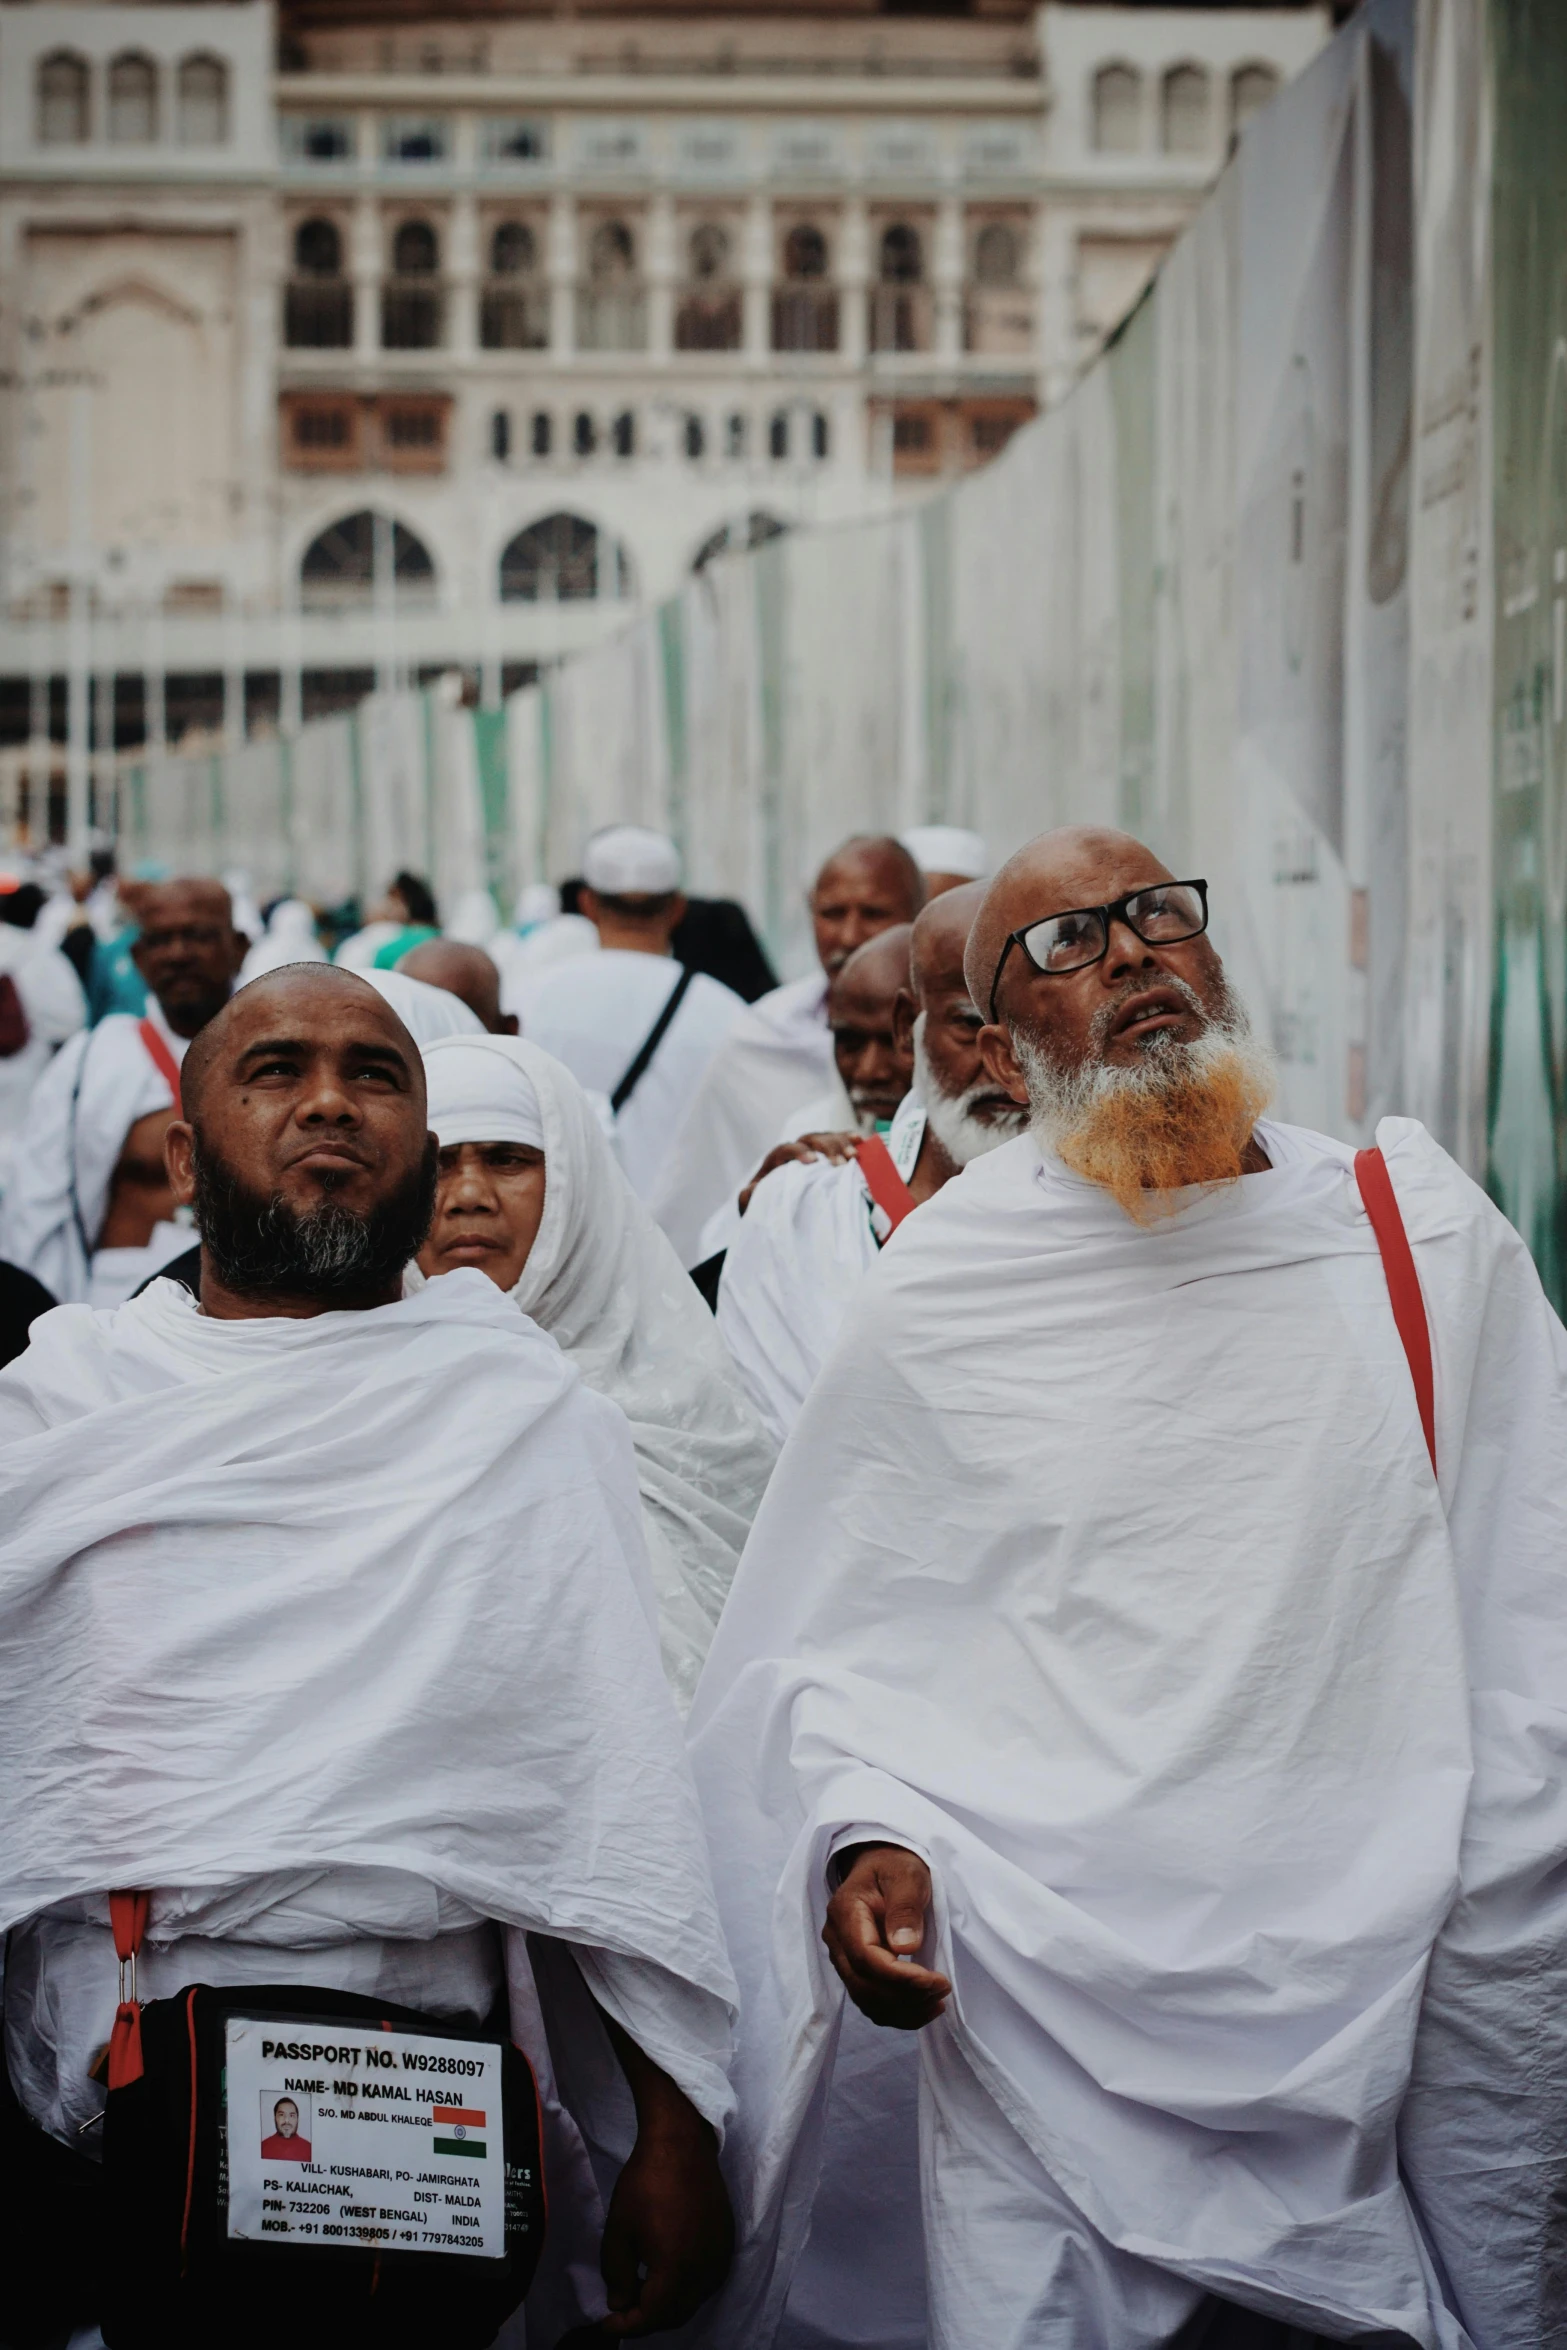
[961, 1133]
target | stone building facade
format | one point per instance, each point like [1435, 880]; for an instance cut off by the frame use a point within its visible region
[366, 342]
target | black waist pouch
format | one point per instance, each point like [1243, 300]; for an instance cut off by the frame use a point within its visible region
[317, 2169]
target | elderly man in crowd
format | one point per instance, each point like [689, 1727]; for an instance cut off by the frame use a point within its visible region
[88, 1211]
[1146, 1671]
[321, 1718]
[812, 1231]
[773, 1075]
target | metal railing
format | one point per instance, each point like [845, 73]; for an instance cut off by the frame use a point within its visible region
[805, 318]
[514, 318]
[318, 314]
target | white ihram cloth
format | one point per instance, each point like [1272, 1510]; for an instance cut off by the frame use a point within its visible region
[1105, 1567]
[772, 1063]
[83, 1107]
[351, 1614]
[594, 1014]
[804, 1245]
[55, 1008]
[825, 1113]
[604, 1282]
[425, 1011]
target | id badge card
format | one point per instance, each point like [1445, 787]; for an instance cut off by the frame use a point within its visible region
[370, 2138]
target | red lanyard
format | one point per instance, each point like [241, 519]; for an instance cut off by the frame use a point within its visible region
[882, 1180]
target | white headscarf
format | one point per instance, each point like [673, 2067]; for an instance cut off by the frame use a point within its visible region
[426, 1012]
[603, 1280]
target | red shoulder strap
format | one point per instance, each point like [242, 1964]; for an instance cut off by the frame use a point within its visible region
[882, 1180]
[128, 1918]
[1403, 1283]
[162, 1060]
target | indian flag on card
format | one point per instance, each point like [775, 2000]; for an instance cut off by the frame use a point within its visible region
[454, 2127]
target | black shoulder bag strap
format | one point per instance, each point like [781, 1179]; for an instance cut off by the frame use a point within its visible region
[650, 1044]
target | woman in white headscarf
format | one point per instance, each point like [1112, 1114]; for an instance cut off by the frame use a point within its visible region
[530, 1194]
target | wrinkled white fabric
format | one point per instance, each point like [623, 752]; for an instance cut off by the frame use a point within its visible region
[425, 1011]
[55, 1008]
[117, 1273]
[289, 937]
[1105, 1565]
[774, 1060]
[594, 1014]
[82, 1108]
[314, 1607]
[809, 1237]
[603, 1281]
[825, 1113]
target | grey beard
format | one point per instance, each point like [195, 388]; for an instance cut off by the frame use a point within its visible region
[261, 1247]
[962, 1134]
[1062, 1097]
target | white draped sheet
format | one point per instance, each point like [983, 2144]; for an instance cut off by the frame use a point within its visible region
[774, 1060]
[1105, 1566]
[355, 1600]
[605, 1283]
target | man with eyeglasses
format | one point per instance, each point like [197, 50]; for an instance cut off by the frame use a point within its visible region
[1146, 1676]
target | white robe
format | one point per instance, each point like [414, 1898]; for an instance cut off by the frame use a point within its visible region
[55, 1008]
[82, 1108]
[800, 1252]
[605, 1283]
[1106, 1568]
[327, 1631]
[594, 1013]
[773, 1061]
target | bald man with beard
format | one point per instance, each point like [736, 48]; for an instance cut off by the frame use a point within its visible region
[1143, 1689]
[266, 1655]
[813, 1228]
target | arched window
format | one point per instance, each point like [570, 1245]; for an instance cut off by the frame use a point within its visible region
[133, 101]
[902, 263]
[805, 251]
[341, 566]
[612, 254]
[709, 250]
[1251, 88]
[747, 530]
[1118, 109]
[1185, 111]
[514, 250]
[62, 99]
[416, 250]
[203, 88]
[318, 249]
[563, 558]
[998, 256]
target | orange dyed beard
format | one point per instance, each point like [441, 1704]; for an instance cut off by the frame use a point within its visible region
[1191, 1128]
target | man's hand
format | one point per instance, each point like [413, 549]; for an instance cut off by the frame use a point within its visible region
[875, 1923]
[669, 2234]
[837, 1147]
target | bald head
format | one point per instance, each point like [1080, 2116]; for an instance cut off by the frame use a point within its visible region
[874, 1060]
[304, 1145]
[466, 972]
[188, 950]
[940, 938]
[866, 885]
[1078, 865]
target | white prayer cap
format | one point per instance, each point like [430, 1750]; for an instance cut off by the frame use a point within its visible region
[537, 901]
[630, 861]
[947, 848]
[474, 920]
[480, 1095]
[426, 1012]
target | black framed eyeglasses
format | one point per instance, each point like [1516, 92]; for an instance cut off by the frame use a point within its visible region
[1059, 943]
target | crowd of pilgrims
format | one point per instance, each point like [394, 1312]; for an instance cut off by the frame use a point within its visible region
[1081, 1868]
